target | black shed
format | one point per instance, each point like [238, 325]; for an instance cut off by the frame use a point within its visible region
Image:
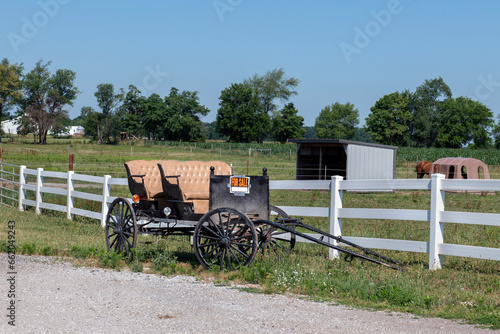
[320, 159]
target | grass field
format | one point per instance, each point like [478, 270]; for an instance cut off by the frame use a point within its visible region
[466, 289]
[279, 159]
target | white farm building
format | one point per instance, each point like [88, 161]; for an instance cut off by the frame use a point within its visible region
[10, 126]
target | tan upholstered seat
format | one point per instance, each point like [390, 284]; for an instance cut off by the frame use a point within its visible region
[193, 178]
[151, 188]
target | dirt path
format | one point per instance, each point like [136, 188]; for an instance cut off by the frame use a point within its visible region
[56, 297]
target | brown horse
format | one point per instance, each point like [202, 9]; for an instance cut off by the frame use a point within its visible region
[423, 167]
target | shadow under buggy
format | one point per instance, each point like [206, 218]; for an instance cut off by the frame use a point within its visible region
[228, 216]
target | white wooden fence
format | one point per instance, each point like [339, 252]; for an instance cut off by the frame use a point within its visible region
[436, 215]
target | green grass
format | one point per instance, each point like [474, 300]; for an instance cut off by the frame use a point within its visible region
[464, 289]
[413, 154]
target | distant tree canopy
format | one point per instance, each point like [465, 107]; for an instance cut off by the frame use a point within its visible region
[240, 117]
[175, 117]
[271, 86]
[209, 131]
[44, 99]
[131, 113]
[182, 116]
[310, 132]
[496, 134]
[424, 106]
[106, 123]
[10, 87]
[430, 117]
[361, 135]
[247, 110]
[287, 124]
[464, 121]
[77, 121]
[389, 120]
[337, 121]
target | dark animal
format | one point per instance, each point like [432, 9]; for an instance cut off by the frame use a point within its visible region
[423, 167]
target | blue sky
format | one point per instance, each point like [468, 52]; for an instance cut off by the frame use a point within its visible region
[341, 51]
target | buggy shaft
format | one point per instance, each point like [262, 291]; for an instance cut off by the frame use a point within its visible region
[327, 244]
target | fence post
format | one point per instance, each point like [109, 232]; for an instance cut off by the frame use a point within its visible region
[69, 199]
[106, 190]
[335, 220]
[22, 182]
[436, 226]
[39, 185]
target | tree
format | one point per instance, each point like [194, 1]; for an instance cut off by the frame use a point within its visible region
[496, 134]
[77, 121]
[361, 135]
[91, 122]
[209, 131]
[61, 126]
[271, 86]
[108, 101]
[310, 132]
[253, 102]
[389, 120]
[287, 124]
[10, 87]
[182, 116]
[424, 106]
[45, 97]
[464, 120]
[240, 117]
[154, 116]
[132, 113]
[337, 121]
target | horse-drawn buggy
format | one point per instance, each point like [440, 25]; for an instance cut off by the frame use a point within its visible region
[228, 216]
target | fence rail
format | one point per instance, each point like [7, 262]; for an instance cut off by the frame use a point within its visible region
[436, 215]
[9, 183]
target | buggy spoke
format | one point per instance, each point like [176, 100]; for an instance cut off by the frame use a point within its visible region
[211, 251]
[113, 243]
[235, 256]
[241, 230]
[240, 237]
[210, 230]
[216, 226]
[245, 255]
[209, 237]
[242, 245]
[223, 256]
[221, 222]
[234, 226]
[275, 243]
[128, 242]
[128, 234]
[114, 220]
[209, 244]
[229, 259]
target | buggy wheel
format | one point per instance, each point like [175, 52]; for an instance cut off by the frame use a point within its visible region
[225, 238]
[121, 227]
[275, 239]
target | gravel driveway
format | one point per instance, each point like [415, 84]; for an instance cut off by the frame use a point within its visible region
[56, 297]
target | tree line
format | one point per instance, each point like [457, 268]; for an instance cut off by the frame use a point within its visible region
[431, 117]
[248, 111]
